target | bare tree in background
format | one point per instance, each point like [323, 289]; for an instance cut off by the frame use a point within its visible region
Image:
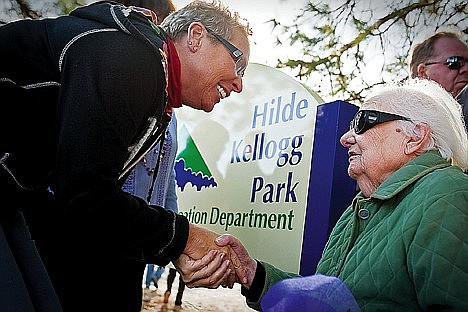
[17, 9]
[346, 47]
[23, 9]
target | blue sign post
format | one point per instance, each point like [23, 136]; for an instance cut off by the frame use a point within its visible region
[330, 188]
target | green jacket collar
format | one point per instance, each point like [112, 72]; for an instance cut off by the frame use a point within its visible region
[410, 172]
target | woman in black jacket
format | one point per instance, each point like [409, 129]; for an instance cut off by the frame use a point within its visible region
[85, 96]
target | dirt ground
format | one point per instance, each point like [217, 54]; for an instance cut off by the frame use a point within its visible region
[194, 299]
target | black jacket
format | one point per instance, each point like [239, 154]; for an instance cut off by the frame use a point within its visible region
[85, 92]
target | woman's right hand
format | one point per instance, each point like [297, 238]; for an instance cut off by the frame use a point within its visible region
[210, 271]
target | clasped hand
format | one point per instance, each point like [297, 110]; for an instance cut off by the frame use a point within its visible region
[210, 260]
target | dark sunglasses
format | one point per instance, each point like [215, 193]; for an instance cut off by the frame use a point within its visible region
[452, 62]
[366, 119]
[236, 54]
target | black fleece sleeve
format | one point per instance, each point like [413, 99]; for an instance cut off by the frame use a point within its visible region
[111, 83]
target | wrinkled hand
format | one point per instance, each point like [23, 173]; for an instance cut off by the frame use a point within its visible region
[244, 265]
[210, 271]
[199, 243]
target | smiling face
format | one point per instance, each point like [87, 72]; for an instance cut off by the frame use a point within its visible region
[208, 69]
[376, 153]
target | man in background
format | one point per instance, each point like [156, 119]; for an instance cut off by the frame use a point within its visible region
[442, 58]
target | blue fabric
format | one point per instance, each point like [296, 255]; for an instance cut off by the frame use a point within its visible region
[150, 273]
[139, 180]
[159, 272]
[318, 293]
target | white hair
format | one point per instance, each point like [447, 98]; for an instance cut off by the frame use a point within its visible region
[426, 102]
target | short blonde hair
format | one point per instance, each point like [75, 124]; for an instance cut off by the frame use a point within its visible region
[214, 15]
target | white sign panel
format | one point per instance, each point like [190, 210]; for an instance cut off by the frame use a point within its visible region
[244, 167]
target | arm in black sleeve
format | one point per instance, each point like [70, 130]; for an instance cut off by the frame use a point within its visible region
[111, 84]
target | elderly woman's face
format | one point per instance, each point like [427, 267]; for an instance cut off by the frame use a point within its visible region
[375, 153]
[214, 71]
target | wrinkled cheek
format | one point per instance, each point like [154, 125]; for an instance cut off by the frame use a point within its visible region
[209, 100]
[355, 168]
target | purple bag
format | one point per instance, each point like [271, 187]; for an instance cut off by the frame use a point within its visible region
[318, 293]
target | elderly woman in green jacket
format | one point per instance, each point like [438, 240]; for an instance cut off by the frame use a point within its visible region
[402, 244]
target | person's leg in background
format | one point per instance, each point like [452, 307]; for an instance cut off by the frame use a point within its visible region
[180, 291]
[157, 275]
[148, 277]
[149, 274]
[170, 280]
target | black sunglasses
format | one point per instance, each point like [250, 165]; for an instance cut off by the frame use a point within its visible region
[236, 54]
[366, 119]
[452, 62]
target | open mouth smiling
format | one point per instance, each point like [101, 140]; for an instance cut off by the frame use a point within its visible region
[221, 92]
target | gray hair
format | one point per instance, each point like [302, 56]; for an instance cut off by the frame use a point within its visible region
[214, 16]
[426, 102]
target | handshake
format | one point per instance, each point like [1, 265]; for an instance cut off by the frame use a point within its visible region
[210, 260]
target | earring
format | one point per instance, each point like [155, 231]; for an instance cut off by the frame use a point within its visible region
[190, 43]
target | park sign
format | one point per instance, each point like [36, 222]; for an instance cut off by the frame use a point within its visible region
[249, 168]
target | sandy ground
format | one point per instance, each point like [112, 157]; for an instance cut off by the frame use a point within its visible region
[194, 299]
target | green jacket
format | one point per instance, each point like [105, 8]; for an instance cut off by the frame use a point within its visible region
[406, 247]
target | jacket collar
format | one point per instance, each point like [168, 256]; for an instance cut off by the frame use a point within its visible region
[409, 173]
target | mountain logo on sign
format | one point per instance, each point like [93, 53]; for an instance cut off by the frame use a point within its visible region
[190, 165]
